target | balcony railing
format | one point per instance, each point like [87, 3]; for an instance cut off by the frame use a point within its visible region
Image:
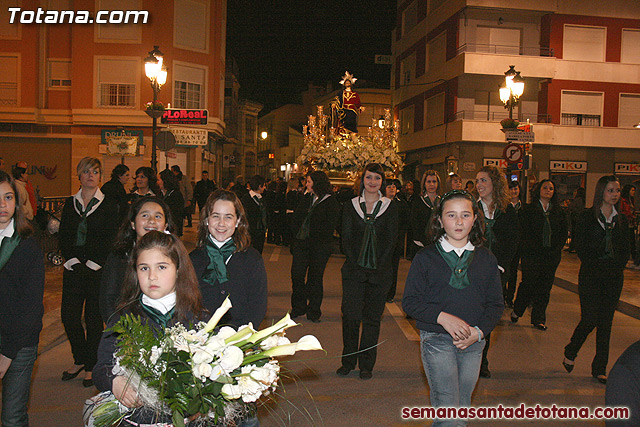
[491, 116]
[580, 119]
[505, 50]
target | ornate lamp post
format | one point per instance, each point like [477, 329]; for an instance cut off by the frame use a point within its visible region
[512, 89]
[156, 71]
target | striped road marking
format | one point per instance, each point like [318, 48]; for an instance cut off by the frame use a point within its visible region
[405, 326]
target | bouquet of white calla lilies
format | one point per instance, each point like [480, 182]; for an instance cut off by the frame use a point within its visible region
[207, 373]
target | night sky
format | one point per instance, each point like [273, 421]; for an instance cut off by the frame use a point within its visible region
[281, 45]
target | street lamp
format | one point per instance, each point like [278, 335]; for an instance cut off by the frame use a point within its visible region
[156, 71]
[512, 89]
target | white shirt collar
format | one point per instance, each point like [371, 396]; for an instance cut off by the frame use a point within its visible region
[218, 243]
[448, 247]
[614, 212]
[254, 194]
[163, 305]
[542, 205]
[8, 231]
[485, 209]
[359, 199]
[78, 196]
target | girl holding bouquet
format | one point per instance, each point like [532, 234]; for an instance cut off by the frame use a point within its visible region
[161, 287]
[21, 309]
[453, 291]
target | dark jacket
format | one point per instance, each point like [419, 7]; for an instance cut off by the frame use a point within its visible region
[111, 283]
[175, 201]
[532, 226]
[102, 225]
[419, 220]
[246, 287]
[323, 222]
[404, 212]
[427, 292]
[507, 232]
[21, 293]
[353, 228]
[202, 190]
[590, 241]
[254, 216]
[114, 190]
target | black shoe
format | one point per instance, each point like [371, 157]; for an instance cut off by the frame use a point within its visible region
[316, 320]
[389, 300]
[365, 375]
[295, 314]
[602, 379]
[87, 382]
[342, 371]
[485, 372]
[66, 375]
[568, 364]
[540, 326]
[514, 317]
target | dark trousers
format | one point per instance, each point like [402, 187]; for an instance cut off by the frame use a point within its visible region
[307, 271]
[485, 361]
[395, 263]
[80, 290]
[509, 288]
[257, 240]
[538, 274]
[599, 288]
[362, 303]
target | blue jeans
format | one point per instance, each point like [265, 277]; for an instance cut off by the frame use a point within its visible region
[15, 388]
[452, 373]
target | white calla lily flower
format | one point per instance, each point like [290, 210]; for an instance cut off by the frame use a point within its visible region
[221, 311]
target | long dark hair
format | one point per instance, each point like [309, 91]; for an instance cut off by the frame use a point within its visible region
[626, 192]
[21, 224]
[321, 183]
[188, 298]
[535, 194]
[436, 230]
[598, 195]
[127, 237]
[241, 236]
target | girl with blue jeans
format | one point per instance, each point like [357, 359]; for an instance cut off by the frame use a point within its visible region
[21, 308]
[453, 292]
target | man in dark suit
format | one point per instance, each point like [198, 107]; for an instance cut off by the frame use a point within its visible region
[203, 188]
[256, 212]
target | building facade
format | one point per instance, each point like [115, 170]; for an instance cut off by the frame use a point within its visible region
[67, 87]
[581, 65]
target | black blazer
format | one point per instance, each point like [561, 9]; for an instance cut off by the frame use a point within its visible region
[115, 190]
[21, 292]
[353, 227]
[102, 226]
[324, 219]
[532, 226]
[507, 232]
[252, 209]
[246, 287]
[419, 216]
[589, 240]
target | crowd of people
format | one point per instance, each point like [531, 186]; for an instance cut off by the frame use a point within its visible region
[123, 254]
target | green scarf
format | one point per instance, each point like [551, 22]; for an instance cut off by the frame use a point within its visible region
[9, 244]
[155, 315]
[303, 233]
[217, 269]
[81, 234]
[367, 257]
[488, 227]
[608, 235]
[546, 229]
[262, 224]
[459, 266]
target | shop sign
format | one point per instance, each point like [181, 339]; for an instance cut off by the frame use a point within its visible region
[189, 137]
[626, 169]
[469, 166]
[499, 163]
[120, 142]
[184, 117]
[567, 166]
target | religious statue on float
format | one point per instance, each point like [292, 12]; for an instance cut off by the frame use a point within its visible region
[346, 107]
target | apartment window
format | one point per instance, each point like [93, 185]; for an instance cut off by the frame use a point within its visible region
[630, 47]
[434, 111]
[498, 40]
[629, 110]
[191, 24]
[582, 108]
[10, 66]
[406, 120]
[408, 69]
[118, 81]
[189, 85]
[59, 73]
[409, 17]
[249, 129]
[437, 51]
[584, 43]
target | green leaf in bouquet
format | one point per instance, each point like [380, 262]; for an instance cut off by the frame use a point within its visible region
[226, 379]
[178, 419]
[194, 405]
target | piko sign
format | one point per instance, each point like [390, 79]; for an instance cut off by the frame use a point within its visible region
[176, 116]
